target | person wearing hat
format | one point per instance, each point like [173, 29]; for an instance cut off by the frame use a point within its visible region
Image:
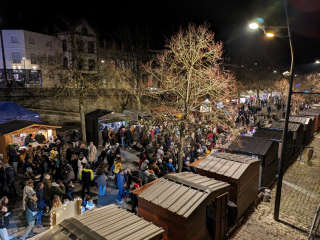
[31, 212]
[86, 177]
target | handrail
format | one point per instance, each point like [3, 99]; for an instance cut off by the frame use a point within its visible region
[315, 225]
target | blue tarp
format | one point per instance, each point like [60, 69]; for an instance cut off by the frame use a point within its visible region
[10, 111]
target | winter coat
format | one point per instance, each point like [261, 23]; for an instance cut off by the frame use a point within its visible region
[40, 196]
[170, 167]
[57, 190]
[74, 137]
[128, 178]
[9, 174]
[110, 157]
[13, 155]
[68, 172]
[117, 166]
[86, 176]
[111, 134]
[31, 206]
[102, 180]
[152, 177]
[155, 168]
[92, 153]
[26, 191]
[128, 134]
[70, 192]
[3, 220]
[46, 189]
[136, 136]
[120, 180]
[2, 177]
[143, 175]
[81, 162]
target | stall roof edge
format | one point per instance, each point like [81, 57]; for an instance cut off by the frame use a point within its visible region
[17, 124]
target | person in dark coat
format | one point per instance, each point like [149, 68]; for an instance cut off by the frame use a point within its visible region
[68, 172]
[57, 188]
[10, 180]
[3, 226]
[86, 177]
[74, 138]
[40, 202]
[134, 197]
[128, 181]
[31, 212]
[13, 158]
[110, 158]
[2, 179]
[128, 135]
[70, 190]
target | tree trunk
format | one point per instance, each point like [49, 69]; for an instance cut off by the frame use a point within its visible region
[82, 121]
[258, 98]
[138, 98]
[180, 152]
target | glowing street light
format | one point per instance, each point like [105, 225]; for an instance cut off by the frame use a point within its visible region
[253, 26]
[269, 34]
[317, 62]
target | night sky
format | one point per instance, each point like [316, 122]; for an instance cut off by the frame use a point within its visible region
[228, 19]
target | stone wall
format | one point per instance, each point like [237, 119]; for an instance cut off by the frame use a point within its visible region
[59, 112]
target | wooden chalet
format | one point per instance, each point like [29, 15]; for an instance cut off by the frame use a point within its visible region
[316, 116]
[15, 131]
[242, 173]
[109, 222]
[276, 135]
[297, 130]
[264, 150]
[308, 126]
[187, 206]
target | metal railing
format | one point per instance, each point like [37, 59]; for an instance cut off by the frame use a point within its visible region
[315, 231]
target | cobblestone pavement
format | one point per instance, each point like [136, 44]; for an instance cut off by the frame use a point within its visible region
[300, 198]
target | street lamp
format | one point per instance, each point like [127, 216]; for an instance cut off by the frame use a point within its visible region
[317, 62]
[286, 121]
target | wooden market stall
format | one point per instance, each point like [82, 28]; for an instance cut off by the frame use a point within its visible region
[316, 116]
[15, 131]
[109, 222]
[276, 135]
[264, 150]
[298, 133]
[186, 206]
[242, 173]
[308, 126]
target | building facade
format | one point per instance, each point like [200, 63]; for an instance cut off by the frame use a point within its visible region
[26, 52]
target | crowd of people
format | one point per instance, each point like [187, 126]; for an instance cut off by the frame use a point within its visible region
[50, 170]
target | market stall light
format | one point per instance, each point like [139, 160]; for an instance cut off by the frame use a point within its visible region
[269, 34]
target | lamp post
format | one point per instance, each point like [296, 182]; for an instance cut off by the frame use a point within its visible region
[286, 121]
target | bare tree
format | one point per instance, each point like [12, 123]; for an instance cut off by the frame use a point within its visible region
[189, 73]
[73, 72]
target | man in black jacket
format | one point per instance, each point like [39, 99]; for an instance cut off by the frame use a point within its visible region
[13, 158]
[10, 180]
[110, 157]
[128, 136]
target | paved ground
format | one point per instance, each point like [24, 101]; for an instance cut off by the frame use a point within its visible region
[299, 200]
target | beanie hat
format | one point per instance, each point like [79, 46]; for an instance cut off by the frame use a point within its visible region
[32, 192]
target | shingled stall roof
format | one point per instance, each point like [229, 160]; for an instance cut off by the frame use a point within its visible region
[109, 222]
[251, 145]
[291, 126]
[268, 133]
[299, 119]
[181, 193]
[226, 164]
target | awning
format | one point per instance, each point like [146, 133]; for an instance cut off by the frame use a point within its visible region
[112, 117]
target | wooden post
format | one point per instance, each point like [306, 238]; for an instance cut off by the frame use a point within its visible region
[54, 218]
[79, 206]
